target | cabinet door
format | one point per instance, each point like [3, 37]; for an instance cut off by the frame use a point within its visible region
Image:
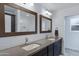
[56, 51]
[50, 50]
[57, 48]
[45, 54]
[42, 52]
[38, 54]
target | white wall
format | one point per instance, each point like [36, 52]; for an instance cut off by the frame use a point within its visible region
[59, 21]
[7, 42]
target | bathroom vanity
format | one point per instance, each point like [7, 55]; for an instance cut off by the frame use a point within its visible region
[53, 49]
[46, 48]
[17, 20]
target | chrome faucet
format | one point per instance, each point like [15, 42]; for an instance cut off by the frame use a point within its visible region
[46, 36]
[26, 41]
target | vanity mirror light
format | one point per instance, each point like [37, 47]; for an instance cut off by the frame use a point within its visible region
[19, 21]
[45, 24]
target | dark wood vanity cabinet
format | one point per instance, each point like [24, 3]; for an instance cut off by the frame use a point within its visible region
[42, 52]
[57, 48]
[51, 50]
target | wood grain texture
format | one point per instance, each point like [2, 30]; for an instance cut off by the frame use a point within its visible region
[41, 16]
[2, 21]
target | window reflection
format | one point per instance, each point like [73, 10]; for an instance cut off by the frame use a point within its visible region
[74, 22]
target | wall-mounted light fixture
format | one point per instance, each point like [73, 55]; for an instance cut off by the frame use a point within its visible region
[46, 12]
[29, 4]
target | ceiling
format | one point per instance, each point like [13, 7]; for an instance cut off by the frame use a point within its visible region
[50, 6]
[58, 6]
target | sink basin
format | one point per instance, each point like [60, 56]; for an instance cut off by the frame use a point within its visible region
[51, 39]
[30, 47]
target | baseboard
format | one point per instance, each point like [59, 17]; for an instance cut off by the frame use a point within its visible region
[72, 50]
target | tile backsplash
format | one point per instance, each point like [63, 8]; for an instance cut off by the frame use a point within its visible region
[7, 42]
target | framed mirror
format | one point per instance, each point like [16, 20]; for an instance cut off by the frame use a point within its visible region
[19, 21]
[45, 24]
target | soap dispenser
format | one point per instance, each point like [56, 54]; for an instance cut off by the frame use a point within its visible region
[56, 32]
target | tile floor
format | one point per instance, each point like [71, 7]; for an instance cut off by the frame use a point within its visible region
[70, 52]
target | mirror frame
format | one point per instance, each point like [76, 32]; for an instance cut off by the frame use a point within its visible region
[2, 21]
[41, 16]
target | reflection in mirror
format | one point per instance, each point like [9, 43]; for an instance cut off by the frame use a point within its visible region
[10, 14]
[19, 20]
[45, 24]
[8, 22]
[74, 23]
[25, 22]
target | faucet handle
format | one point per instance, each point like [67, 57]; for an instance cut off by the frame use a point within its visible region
[46, 36]
[26, 40]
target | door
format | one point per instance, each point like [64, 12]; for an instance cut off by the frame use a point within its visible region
[72, 32]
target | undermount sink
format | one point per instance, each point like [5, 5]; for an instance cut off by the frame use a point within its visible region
[30, 47]
[51, 39]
